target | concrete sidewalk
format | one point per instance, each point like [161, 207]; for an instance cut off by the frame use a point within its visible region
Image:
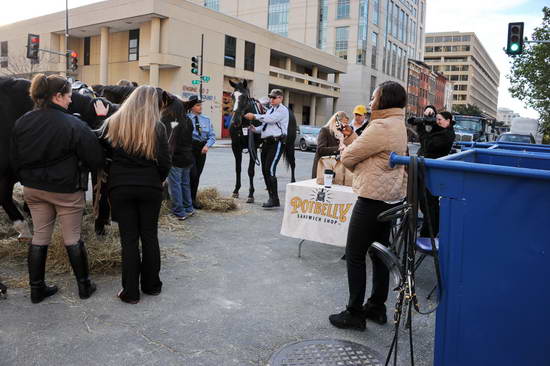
[234, 292]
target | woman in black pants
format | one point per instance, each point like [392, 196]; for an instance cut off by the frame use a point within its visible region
[379, 188]
[136, 141]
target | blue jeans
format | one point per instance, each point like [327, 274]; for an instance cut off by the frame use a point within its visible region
[179, 184]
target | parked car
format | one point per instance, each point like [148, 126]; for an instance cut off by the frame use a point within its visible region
[516, 137]
[306, 137]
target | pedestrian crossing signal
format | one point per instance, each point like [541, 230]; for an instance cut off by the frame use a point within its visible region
[33, 45]
[515, 39]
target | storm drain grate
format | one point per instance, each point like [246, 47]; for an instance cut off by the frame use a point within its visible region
[327, 352]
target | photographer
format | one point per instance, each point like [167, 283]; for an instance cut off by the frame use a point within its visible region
[436, 140]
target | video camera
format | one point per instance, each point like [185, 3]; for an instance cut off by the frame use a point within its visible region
[427, 121]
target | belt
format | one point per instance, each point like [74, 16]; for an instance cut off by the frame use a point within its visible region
[274, 139]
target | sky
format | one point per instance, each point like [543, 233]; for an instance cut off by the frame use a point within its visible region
[487, 18]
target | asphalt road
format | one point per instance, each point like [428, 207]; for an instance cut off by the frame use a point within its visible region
[234, 292]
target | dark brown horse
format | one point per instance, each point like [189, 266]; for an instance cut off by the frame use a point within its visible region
[241, 140]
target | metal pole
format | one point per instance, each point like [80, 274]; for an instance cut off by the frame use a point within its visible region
[202, 57]
[66, 37]
[537, 41]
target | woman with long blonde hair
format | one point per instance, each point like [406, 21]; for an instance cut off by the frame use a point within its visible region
[330, 138]
[136, 142]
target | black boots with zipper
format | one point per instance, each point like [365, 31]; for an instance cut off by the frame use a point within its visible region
[36, 260]
[78, 256]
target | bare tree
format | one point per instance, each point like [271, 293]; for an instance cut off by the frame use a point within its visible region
[22, 67]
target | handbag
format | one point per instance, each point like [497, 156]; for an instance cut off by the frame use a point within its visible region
[342, 175]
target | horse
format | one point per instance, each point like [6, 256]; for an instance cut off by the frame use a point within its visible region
[15, 101]
[241, 139]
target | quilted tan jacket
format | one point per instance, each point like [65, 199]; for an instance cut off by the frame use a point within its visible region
[368, 156]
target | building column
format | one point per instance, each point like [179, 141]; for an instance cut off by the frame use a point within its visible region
[312, 110]
[62, 59]
[154, 69]
[104, 57]
[286, 98]
[336, 77]
[334, 104]
[288, 64]
[315, 71]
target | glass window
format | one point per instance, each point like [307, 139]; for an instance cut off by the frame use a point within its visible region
[395, 30]
[230, 51]
[429, 39]
[463, 77]
[133, 45]
[323, 24]
[212, 4]
[447, 39]
[4, 54]
[249, 55]
[376, 11]
[374, 39]
[402, 26]
[466, 38]
[277, 17]
[342, 9]
[342, 35]
[362, 32]
[438, 39]
[86, 50]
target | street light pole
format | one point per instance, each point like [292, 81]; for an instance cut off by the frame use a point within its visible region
[202, 63]
[66, 37]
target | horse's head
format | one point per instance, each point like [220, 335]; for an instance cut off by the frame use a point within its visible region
[242, 103]
[81, 88]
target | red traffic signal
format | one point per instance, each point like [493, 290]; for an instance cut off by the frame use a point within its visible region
[33, 45]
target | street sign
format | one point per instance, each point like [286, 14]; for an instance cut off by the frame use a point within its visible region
[205, 78]
[195, 82]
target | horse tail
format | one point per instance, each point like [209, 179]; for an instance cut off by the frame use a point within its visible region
[288, 154]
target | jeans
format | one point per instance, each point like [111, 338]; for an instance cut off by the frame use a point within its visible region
[364, 229]
[137, 209]
[179, 184]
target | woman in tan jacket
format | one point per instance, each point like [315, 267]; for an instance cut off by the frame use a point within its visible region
[330, 139]
[379, 188]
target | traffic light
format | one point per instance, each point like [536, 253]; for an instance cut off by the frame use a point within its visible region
[74, 61]
[515, 39]
[195, 65]
[33, 44]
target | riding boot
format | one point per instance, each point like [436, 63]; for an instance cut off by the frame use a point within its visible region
[78, 256]
[273, 200]
[36, 260]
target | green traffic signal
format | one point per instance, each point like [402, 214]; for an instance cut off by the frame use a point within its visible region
[515, 38]
[514, 47]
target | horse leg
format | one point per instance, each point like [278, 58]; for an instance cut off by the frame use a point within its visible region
[251, 169]
[292, 161]
[6, 200]
[238, 153]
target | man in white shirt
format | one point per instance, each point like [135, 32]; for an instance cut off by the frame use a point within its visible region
[273, 131]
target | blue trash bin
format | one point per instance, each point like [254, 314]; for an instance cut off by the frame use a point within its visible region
[505, 146]
[495, 257]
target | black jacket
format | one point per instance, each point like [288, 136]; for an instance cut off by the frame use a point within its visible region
[47, 146]
[180, 142]
[133, 170]
[436, 143]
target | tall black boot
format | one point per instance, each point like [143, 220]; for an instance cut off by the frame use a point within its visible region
[78, 256]
[36, 260]
[273, 200]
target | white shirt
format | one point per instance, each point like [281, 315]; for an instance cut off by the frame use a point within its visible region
[274, 121]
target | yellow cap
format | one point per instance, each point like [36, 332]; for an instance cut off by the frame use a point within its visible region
[360, 109]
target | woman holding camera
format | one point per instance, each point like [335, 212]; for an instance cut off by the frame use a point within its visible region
[436, 141]
[379, 188]
[330, 138]
[49, 150]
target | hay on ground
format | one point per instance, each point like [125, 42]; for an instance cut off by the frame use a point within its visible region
[210, 199]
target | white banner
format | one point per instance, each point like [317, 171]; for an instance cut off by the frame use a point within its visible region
[316, 213]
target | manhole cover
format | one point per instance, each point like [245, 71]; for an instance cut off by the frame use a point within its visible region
[327, 352]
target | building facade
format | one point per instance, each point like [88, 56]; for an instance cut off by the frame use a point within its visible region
[153, 41]
[506, 115]
[375, 37]
[425, 87]
[464, 61]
